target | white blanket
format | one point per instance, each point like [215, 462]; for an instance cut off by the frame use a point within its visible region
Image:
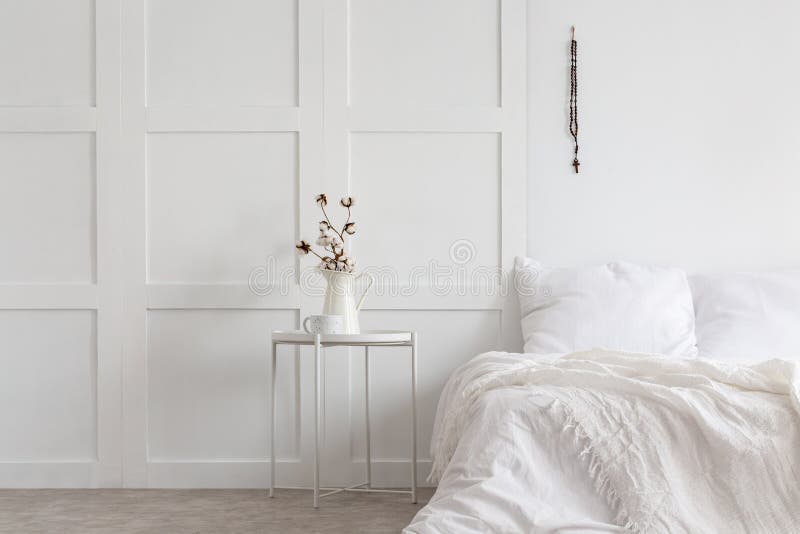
[670, 445]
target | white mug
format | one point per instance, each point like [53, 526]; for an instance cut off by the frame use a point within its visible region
[324, 324]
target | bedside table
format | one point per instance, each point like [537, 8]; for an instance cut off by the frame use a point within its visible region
[374, 338]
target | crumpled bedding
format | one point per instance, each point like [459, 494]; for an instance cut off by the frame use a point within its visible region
[605, 441]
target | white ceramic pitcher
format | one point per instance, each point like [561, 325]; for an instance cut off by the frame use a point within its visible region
[340, 297]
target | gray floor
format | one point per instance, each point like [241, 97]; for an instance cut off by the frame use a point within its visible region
[202, 511]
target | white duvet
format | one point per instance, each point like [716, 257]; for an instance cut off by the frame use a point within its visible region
[614, 442]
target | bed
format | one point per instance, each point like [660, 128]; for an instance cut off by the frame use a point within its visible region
[690, 424]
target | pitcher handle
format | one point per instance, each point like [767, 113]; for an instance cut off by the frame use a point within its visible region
[364, 294]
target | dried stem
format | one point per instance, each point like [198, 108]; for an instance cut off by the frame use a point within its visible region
[315, 254]
[330, 224]
[348, 218]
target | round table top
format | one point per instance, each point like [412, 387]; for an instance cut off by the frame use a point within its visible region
[366, 337]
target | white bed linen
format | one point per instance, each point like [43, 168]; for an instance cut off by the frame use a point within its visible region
[741, 315]
[616, 306]
[535, 481]
[517, 447]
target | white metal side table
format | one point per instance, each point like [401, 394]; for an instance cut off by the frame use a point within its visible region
[375, 338]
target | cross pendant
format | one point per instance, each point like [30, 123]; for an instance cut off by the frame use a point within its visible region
[576, 164]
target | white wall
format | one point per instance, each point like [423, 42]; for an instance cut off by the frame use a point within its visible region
[154, 153]
[147, 149]
[690, 129]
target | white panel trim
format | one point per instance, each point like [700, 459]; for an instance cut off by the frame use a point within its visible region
[109, 260]
[342, 119]
[134, 126]
[336, 182]
[324, 121]
[103, 297]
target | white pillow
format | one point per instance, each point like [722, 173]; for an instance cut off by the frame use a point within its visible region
[617, 306]
[748, 317]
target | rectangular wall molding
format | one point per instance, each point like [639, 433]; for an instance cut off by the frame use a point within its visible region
[163, 168]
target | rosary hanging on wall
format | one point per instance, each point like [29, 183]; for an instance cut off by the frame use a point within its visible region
[573, 98]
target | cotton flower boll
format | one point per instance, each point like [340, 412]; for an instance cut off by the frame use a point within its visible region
[331, 239]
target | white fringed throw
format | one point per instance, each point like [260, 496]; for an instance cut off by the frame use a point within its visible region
[675, 445]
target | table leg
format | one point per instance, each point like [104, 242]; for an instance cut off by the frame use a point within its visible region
[366, 416]
[414, 417]
[317, 410]
[272, 423]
